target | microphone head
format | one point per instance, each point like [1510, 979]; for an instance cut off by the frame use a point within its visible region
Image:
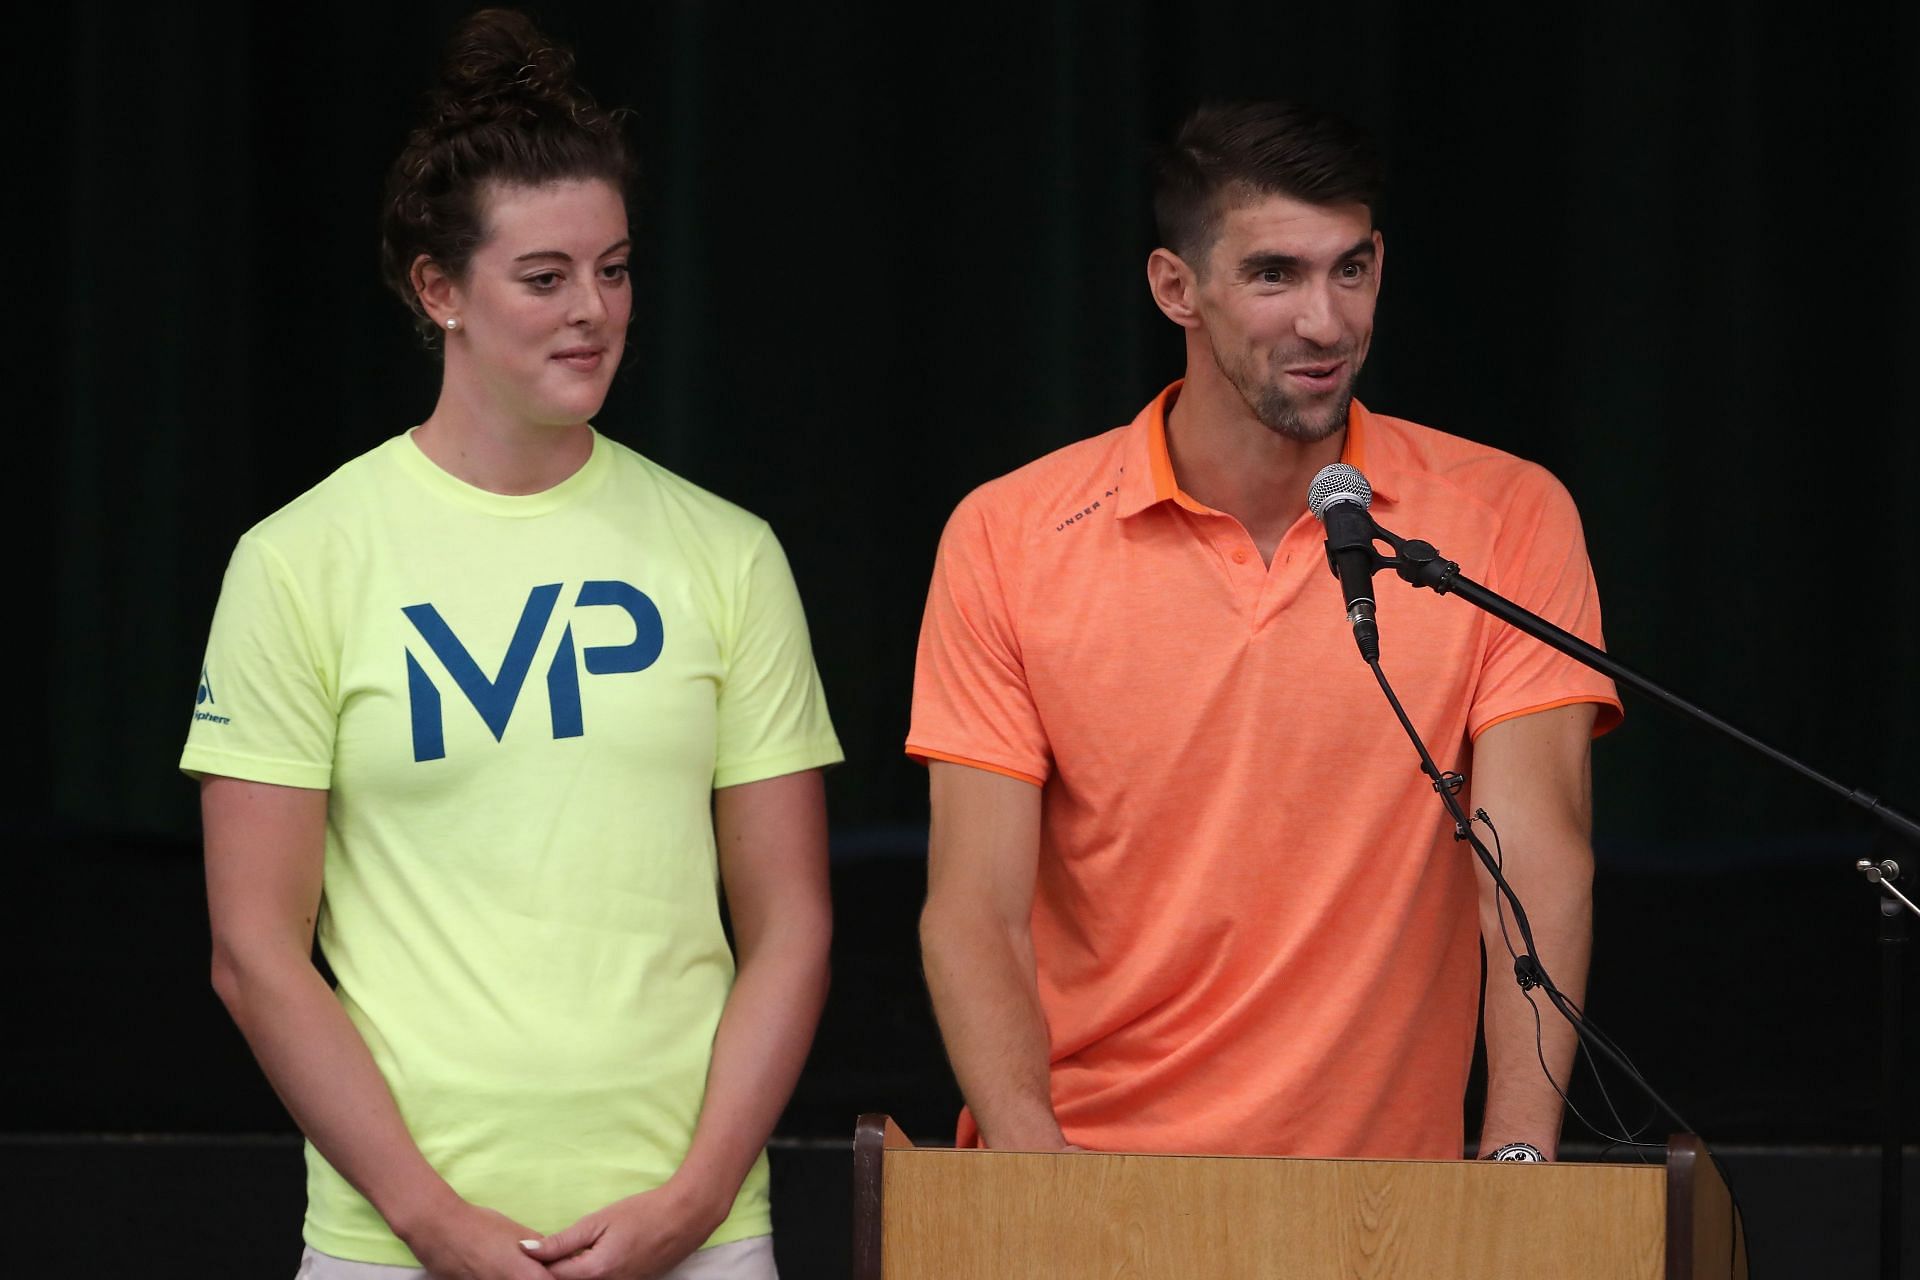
[1338, 482]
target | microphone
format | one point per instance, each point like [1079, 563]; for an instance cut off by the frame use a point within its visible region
[1339, 497]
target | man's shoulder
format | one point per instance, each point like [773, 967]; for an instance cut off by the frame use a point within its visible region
[1421, 456]
[1067, 487]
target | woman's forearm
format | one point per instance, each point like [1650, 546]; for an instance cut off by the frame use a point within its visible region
[266, 853]
[772, 843]
[317, 1062]
[758, 1050]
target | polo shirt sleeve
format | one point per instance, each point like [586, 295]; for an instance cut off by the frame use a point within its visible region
[771, 712]
[971, 701]
[1540, 563]
[264, 710]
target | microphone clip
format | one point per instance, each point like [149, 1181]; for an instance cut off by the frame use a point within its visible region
[1526, 972]
[1416, 561]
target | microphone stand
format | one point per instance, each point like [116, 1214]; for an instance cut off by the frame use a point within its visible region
[1418, 563]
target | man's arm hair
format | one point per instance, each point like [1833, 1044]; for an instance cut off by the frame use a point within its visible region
[977, 943]
[1532, 776]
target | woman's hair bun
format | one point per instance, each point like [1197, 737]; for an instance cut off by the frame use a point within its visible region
[499, 68]
[506, 110]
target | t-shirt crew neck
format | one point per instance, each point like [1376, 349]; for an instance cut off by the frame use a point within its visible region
[414, 460]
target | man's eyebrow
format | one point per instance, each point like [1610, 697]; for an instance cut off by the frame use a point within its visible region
[615, 247]
[1255, 263]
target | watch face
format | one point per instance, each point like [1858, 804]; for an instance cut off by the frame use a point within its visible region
[1521, 1152]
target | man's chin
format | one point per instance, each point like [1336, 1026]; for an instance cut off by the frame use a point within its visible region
[1307, 426]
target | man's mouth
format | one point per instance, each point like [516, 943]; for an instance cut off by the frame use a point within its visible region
[1316, 376]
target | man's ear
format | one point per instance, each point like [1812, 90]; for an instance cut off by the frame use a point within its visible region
[1174, 286]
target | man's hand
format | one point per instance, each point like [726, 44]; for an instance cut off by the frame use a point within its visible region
[463, 1241]
[637, 1238]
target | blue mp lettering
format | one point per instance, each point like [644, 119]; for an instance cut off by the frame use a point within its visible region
[494, 698]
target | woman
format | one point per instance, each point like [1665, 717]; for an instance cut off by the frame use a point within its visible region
[489, 708]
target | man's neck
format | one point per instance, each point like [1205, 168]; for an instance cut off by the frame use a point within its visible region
[1227, 458]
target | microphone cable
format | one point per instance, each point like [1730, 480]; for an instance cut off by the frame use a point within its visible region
[1339, 491]
[1624, 1136]
[1527, 969]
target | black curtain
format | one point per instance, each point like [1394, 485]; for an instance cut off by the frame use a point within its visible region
[890, 252]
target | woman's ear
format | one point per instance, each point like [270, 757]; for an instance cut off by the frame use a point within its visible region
[439, 295]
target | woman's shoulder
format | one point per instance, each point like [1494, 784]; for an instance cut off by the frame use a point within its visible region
[347, 493]
[692, 507]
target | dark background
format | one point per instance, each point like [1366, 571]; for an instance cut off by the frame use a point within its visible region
[888, 253]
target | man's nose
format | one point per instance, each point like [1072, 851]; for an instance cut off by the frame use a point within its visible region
[1318, 321]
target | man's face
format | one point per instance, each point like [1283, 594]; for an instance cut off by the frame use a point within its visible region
[1287, 306]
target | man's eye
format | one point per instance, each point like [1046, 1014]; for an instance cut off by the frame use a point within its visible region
[1273, 275]
[1353, 270]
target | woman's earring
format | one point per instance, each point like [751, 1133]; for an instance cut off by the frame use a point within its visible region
[453, 322]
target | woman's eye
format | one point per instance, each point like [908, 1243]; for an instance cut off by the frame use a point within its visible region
[614, 271]
[545, 280]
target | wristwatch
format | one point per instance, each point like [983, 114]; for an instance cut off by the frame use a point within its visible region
[1523, 1152]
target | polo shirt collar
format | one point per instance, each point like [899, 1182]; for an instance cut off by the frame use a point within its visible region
[1148, 467]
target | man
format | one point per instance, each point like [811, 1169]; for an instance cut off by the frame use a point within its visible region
[1187, 890]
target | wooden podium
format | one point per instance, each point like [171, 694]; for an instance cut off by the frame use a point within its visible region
[935, 1213]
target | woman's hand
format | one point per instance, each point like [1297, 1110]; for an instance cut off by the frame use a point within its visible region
[638, 1238]
[463, 1241]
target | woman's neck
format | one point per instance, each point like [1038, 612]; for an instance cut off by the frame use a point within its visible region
[491, 451]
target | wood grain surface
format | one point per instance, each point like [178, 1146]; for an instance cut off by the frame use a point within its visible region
[975, 1215]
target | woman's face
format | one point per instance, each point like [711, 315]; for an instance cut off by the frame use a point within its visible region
[544, 307]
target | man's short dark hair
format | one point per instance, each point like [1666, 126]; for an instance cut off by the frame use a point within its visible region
[1227, 152]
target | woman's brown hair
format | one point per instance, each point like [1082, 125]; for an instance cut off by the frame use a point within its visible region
[506, 110]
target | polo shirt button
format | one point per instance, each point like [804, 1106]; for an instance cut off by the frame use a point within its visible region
[1239, 555]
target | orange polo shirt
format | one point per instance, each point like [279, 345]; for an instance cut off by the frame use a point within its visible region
[1253, 930]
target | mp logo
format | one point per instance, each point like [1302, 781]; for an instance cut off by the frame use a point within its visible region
[494, 697]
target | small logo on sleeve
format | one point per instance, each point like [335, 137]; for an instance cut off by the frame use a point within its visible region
[204, 698]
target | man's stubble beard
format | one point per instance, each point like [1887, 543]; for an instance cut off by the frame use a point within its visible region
[1279, 413]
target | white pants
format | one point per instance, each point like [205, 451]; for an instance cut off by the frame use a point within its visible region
[749, 1259]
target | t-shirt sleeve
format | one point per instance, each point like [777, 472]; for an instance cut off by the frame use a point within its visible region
[972, 703]
[264, 709]
[1540, 563]
[772, 713]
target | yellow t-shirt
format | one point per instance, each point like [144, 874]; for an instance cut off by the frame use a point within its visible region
[520, 707]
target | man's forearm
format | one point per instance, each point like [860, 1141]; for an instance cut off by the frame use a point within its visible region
[1533, 776]
[982, 981]
[1522, 1103]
